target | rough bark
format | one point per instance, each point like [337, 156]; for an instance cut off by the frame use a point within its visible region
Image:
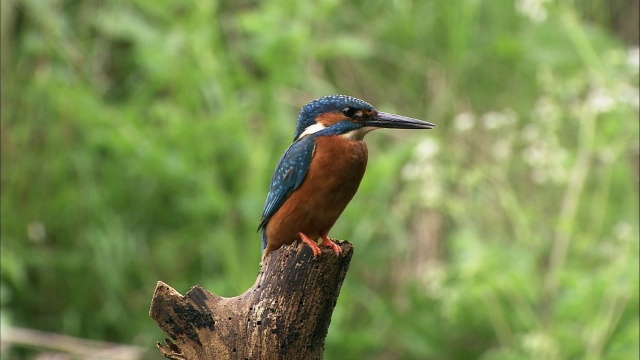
[284, 315]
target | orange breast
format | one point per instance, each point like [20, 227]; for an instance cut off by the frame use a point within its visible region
[336, 170]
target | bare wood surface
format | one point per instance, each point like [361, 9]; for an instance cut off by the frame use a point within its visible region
[284, 315]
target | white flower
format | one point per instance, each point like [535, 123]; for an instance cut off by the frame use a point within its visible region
[535, 10]
[623, 230]
[494, 120]
[536, 154]
[540, 346]
[427, 149]
[547, 160]
[502, 149]
[410, 171]
[464, 121]
[547, 111]
[600, 101]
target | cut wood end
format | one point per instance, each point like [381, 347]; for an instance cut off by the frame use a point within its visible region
[299, 248]
[163, 295]
[163, 289]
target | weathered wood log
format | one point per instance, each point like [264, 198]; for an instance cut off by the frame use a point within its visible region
[284, 315]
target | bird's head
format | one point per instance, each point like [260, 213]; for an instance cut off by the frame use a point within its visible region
[346, 115]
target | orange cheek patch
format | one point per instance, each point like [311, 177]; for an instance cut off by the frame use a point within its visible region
[329, 119]
[369, 113]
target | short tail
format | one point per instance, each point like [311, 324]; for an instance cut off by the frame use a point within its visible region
[264, 239]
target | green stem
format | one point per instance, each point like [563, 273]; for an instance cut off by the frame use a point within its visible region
[569, 206]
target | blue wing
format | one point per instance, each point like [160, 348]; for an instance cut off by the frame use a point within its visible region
[289, 174]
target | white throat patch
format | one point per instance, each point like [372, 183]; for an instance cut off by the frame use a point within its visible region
[311, 130]
[358, 134]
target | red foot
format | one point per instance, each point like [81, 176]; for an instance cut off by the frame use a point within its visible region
[312, 244]
[326, 241]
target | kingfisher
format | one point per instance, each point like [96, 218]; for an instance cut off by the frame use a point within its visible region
[320, 172]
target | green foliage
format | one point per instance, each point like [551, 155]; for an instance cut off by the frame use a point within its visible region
[139, 139]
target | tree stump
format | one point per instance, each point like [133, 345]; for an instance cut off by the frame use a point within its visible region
[284, 315]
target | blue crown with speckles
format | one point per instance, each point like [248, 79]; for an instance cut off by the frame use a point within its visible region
[325, 104]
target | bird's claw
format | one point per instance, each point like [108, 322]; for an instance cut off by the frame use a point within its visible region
[326, 241]
[312, 244]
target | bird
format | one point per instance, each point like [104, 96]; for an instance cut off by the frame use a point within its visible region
[320, 172]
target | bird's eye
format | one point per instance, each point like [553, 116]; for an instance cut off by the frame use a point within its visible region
[349, 112]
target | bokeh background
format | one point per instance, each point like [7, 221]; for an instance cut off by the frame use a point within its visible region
[139, 139]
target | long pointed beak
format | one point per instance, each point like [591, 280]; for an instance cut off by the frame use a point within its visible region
[393, 121]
